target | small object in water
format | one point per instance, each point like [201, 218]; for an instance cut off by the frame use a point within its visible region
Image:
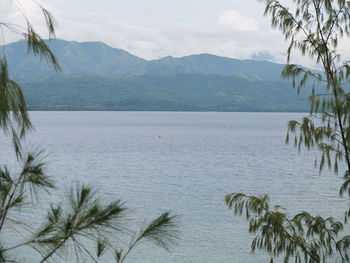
[160, 137]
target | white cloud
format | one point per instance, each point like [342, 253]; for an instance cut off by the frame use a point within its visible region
[225, 33]
[150, 39]
[236, 21]
[16, 13]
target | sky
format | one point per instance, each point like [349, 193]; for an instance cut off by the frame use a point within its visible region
[152, 29]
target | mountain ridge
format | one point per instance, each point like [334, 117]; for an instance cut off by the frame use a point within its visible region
[98, 58]
[96, 76]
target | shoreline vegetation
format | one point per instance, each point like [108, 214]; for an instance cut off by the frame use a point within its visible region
[175, 111]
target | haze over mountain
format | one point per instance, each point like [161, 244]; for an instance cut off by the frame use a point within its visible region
[101, 59]
[97, 76]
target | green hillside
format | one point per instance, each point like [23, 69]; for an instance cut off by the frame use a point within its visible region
[183, 92]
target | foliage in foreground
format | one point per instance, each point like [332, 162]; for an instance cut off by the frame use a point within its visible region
[81, 218]
[314, 28]
[303, 237]
[82, 222]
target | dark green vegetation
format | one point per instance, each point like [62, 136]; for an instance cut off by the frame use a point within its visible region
[97, 77]
[314, 28]
[187, 92]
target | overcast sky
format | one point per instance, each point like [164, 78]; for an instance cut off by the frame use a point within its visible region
[156, 28]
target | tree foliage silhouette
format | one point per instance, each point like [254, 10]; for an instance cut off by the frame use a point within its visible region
[83, 220]
[314, 28]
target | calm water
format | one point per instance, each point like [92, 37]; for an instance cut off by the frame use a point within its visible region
[200, 158]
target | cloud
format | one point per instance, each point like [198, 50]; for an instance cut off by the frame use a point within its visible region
[236, 21]
[150, 39]
[263, 55]
[225, 33]
[230, 34]
[16, 13]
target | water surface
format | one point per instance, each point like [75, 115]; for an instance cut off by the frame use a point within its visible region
[186, 162]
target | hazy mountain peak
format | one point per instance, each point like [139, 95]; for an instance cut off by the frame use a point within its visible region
[94, 57]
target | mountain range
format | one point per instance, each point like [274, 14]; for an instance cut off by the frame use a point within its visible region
[95, 76]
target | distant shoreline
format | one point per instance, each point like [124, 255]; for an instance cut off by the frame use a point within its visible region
[179, 111]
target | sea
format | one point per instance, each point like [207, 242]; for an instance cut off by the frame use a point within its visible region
[185, 163]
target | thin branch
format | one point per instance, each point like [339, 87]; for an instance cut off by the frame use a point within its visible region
[85, 249]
